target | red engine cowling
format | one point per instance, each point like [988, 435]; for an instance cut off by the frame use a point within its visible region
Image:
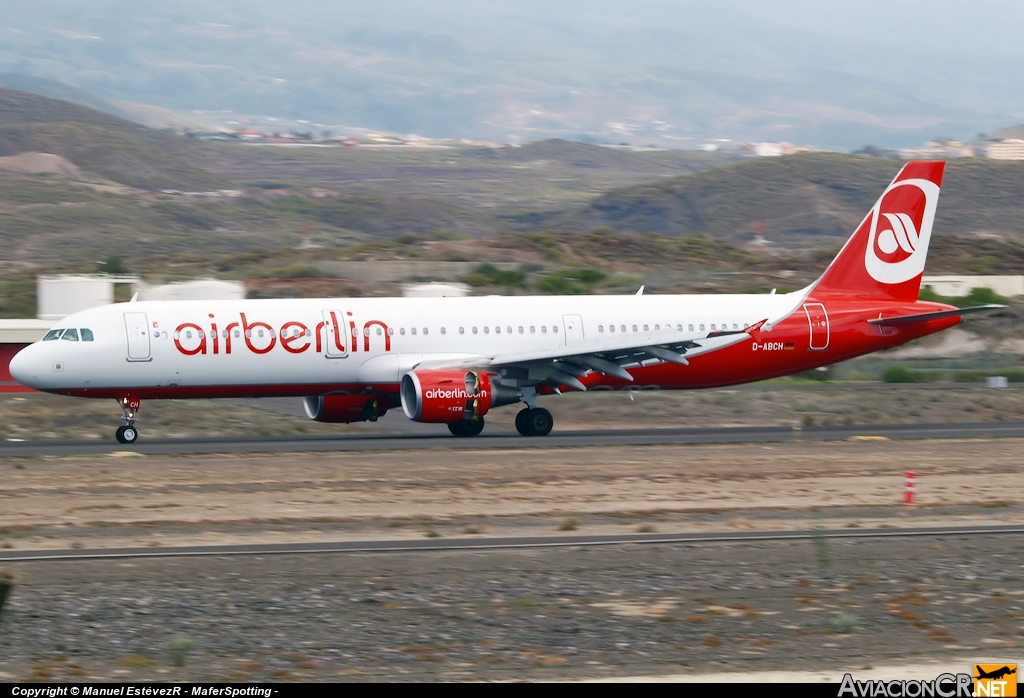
[446, 396]
[345, 408]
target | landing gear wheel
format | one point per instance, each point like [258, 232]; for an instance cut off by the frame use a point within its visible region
[127, 434]
[535, 421]
[464, 427]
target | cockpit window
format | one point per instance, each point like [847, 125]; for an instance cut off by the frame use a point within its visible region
[71, 334]
[53, 334]
[86, 334]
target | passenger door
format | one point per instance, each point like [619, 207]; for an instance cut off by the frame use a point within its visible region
[136, 326]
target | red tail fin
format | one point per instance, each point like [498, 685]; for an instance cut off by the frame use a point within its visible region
[885, 257]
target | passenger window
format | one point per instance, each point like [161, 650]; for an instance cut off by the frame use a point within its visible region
[657, 327]
[71, 335]
[497, 330]
[379, 332]
[444, 331]
[712, 327]
[237, 335]
[508, 330]
[734, 326]
[623, 328]
[462, 330]
[533, 329]
[366, 332]
[702, 327]
[487, 330]
[474, 330]
[600, 328]
[690, 327]
[391, 331]
[611, 328]
[401, 330]
[86, 334]
[52, 335]
[413, 330]
[554, 328]
[426, 330]
[520, 329]
[645, 328]
[543, 329]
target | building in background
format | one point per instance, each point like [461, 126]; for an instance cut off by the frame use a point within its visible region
[953, 286]
[1006, 149]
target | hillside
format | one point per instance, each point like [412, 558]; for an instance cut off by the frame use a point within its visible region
[102, 144]
[809, 200]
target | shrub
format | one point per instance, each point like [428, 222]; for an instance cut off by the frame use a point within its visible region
[898, 374]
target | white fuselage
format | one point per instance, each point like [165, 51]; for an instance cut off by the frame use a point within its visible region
[310, 346]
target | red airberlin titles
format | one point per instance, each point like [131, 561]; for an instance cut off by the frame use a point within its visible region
[452, 360]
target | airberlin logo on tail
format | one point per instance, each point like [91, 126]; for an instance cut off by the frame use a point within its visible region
[901, 227]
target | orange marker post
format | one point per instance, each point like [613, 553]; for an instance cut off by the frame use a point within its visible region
[908, 487]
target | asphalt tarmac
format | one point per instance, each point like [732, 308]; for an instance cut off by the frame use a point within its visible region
[569, 439]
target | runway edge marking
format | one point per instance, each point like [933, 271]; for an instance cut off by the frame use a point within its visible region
[505, 544]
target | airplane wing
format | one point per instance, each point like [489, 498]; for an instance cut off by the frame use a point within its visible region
[922, 317]
[566, 365]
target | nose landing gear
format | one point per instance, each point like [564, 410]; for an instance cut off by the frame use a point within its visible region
[128, 434]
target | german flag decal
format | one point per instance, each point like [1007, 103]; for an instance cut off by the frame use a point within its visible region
[789, 346]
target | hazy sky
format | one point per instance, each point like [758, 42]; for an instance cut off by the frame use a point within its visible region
[843, 73]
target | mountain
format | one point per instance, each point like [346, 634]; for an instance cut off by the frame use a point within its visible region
[102, 144]
[807, 200]
[675, 73]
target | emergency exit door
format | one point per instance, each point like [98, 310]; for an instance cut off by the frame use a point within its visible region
[817, 318]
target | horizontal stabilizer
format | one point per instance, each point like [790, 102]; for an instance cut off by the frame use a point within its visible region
[924, 317]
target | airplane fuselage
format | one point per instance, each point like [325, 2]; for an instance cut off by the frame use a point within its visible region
[259, 348]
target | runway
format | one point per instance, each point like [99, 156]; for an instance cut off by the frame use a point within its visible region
[568, 439]
[454, 544]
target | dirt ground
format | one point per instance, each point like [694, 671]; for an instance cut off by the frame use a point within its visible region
[130, 499]
[569, 613]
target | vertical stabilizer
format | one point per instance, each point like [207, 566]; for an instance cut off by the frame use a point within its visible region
[885, 257]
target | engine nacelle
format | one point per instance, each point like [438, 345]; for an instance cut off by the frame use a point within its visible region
[345, 408]
[448, 396]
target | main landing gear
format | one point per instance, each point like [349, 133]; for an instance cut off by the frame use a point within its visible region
[534, 421]
[128, 434]
[466, 427]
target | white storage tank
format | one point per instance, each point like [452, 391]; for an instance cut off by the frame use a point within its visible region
[197, 290]
[60, 296]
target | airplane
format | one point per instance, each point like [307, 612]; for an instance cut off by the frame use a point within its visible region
[452, 360]
[996, 674]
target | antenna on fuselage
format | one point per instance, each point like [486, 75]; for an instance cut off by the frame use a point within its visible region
[640, 292]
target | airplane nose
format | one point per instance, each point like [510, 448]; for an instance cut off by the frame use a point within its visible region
[22, 367]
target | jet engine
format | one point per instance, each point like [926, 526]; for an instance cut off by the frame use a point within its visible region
[448, 396]
[345, 408]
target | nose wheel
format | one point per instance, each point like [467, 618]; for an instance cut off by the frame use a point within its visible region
[128, 434]
[534, 421]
